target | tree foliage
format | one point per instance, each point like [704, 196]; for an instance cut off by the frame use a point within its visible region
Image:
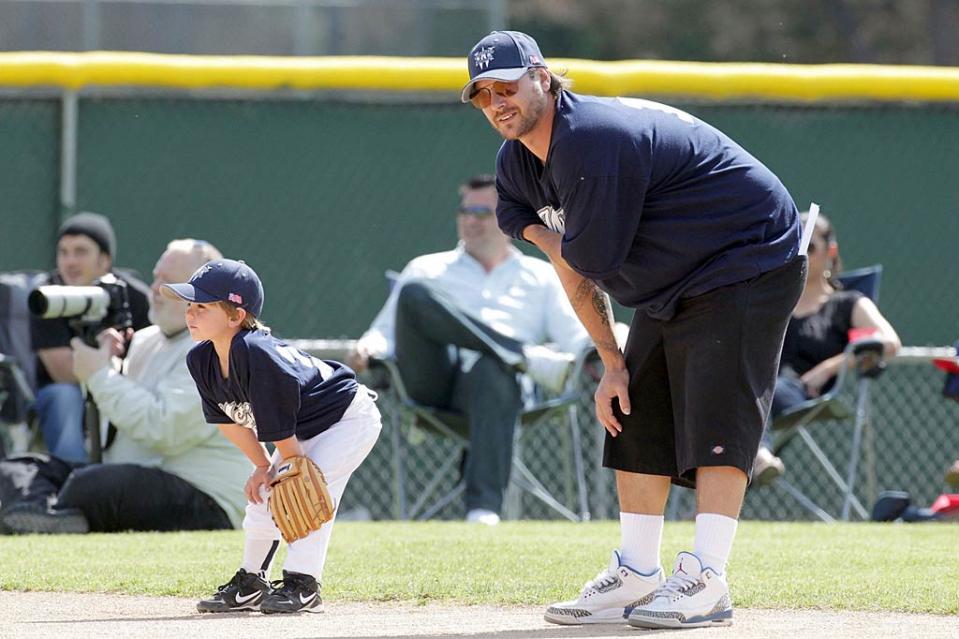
[799, 31]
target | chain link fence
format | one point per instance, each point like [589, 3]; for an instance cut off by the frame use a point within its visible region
[322, 192]
[245, 27]
[912, 438]
[332, 191]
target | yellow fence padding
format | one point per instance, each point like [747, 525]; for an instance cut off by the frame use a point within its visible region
[707, 80]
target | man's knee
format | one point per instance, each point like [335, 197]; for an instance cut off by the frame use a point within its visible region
[91, 484]
[414, 293]
[58, 396]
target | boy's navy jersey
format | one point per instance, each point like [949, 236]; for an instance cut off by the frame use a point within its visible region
[653, 204]
[273, 388]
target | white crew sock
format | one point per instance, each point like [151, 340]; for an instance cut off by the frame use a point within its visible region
[258, 555]
[642, 536]
[714, 539]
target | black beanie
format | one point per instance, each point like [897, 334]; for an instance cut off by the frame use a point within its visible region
[95, 226]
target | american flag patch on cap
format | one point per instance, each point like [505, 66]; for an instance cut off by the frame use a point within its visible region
[235, 298]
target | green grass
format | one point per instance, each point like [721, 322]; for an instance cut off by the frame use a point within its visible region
[791, 565]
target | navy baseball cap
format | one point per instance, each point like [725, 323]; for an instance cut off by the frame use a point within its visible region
[221, 281]
[502, 55]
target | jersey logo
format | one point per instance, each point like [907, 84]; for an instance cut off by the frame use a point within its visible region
[240, 412]
[639, 103]
[555, 219]
[483, 57]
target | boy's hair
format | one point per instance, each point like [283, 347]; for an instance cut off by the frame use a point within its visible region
[250, 323]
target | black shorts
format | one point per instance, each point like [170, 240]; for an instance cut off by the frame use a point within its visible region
[701, 383]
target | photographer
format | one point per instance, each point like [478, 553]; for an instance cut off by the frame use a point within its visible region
[86, 246]
[165, 468]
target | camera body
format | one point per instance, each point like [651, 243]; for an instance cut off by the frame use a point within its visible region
[89, 309]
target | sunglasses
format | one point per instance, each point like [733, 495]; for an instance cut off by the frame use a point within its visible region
[475, 211]
[481, 98]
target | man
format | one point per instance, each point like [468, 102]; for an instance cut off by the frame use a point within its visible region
[675, 220]
[166, 468]
[86, 247]
[496, 307]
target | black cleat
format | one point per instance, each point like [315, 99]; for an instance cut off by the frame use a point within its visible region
[31, 517]
[244, 592]
[296, 592]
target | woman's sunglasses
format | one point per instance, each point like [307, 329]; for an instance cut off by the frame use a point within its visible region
[481, 98]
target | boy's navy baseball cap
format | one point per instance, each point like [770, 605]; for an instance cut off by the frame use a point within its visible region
[502, 55]
[221, 281]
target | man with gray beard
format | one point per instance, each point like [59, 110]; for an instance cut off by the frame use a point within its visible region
[164, 467]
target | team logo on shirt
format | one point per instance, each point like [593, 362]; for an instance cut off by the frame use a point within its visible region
[240, 412]
[483, 57]
[555, 219]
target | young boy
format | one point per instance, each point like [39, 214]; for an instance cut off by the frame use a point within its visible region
[257, 389]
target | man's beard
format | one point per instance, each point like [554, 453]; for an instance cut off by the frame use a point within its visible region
[169, 319]
[525, 122]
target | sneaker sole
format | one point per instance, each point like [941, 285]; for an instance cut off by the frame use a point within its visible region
[26, 523]
[220, 611]
[724, 618]
[315, 608]
[577, 617]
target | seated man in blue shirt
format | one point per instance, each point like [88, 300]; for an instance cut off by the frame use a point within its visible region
[497, 307]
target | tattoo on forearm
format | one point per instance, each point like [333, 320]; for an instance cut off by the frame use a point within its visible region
[588, 293]
[582, 293]
[602, 306]
[604, 309]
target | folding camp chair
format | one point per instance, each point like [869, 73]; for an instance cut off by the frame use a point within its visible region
[453, 427]
[833, 406]
[17, 358]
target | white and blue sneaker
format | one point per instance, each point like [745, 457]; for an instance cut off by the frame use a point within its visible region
[693, 597]
[609, 597]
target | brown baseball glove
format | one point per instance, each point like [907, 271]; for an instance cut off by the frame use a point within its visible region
[299, 500]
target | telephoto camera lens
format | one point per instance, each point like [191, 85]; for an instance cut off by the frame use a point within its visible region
[90, 302]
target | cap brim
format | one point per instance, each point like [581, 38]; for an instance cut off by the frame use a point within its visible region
[186, 292]
[505, 75]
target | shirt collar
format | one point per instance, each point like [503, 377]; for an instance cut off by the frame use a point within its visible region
[463, 256]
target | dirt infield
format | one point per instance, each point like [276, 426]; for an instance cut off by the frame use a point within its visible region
[37, 615]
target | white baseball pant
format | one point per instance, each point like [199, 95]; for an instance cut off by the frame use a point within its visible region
[338, 452]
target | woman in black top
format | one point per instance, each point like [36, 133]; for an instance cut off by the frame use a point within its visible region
[817, 335]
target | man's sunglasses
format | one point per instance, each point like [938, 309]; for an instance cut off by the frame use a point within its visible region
[475, 211]
[481, 98]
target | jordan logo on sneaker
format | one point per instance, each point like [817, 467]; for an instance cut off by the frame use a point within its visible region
[680, 568]
[242, 599]
[308, 599]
